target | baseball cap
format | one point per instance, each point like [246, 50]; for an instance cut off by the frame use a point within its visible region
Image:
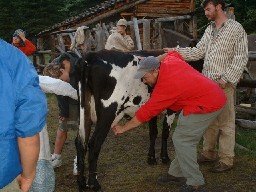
[146, 65]
[122, 22]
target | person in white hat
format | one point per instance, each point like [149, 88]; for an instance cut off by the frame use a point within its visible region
[119, 39]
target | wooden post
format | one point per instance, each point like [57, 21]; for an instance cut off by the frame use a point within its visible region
[137, 33]
[146, 35]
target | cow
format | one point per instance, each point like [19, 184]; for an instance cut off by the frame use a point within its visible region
[108, 91]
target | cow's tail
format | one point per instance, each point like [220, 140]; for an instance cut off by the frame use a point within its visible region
[84, 128]
[82, 79]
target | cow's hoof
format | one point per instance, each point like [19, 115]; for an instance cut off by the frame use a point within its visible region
[151, 161]
[81, 181]
[95, 188]
[165, 160]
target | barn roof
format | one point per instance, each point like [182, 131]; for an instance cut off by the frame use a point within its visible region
[112, 7]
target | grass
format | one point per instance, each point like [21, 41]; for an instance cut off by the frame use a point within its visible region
[122, 163]
[246, 138]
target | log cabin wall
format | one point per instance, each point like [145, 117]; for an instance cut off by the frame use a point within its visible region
[165, 8]
[148, 11]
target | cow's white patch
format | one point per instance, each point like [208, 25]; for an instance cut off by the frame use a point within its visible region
[170, 119]
[126, 87]
[93, 110]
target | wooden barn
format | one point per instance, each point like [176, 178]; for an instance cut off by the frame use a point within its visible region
[153, 24]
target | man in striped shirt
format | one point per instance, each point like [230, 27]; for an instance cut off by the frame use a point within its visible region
[224, 48]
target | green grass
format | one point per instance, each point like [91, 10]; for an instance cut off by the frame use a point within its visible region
[246, 138]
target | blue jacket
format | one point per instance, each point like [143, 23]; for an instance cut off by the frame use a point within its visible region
[23, 108]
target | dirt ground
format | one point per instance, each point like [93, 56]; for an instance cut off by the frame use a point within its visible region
[122, 165]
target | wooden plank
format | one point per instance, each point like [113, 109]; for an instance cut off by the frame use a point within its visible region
[163, 6]
[252, 55]
[247, 124]
[164, 11]
[146, 35]
[247, 83]
[157, 15]
[248, 110]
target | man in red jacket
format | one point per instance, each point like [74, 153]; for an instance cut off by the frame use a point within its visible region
[20, 41]
[179, 87]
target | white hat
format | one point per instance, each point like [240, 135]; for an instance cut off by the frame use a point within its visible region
[122, 22]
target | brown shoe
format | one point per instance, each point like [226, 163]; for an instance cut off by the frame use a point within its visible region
[221, 167]
[203, 159]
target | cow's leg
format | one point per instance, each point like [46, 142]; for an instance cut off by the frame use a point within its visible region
[153, 132]
[81, 152]
[165, 135]
[168, 120]
[82, 139]
[81, 148]
[101, 130]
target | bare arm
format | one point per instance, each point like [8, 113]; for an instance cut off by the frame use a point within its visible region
[29, 151]
[119, 129]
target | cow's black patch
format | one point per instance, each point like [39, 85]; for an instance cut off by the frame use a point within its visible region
[137, 100]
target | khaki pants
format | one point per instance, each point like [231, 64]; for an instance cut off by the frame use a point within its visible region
[72, 122]
[11, 187]
[222, 131]
[186, 137]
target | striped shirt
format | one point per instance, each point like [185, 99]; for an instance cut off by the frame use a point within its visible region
[224, 50]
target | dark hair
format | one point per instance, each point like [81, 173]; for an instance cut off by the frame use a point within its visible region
[214, 2]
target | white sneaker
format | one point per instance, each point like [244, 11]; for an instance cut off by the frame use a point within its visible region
[56, 161]
[75, 167]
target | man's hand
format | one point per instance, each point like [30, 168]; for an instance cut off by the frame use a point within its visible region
[22, 35]
[221, 83]
[118, 129]
[24, 183]
[61, 118]
[166, 49]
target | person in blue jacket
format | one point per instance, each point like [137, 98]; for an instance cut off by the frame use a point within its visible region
[23, 114]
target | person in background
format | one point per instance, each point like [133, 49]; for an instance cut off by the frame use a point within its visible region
[179, 87]
[20, 41]
[64, 69]
[23, 115]
[224, 48]
[119, 39]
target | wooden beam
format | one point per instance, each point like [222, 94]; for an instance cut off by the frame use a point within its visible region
[252, 55]
[247, 124]
[146, 35]
[137, 33]
[173, 18]
[247, 83]
[248, 110]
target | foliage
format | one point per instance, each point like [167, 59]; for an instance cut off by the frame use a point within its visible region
[30, 15]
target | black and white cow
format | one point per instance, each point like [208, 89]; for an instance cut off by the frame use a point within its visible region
[108, 92]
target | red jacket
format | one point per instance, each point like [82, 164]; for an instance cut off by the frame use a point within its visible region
[180, 87]
[28, 49]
